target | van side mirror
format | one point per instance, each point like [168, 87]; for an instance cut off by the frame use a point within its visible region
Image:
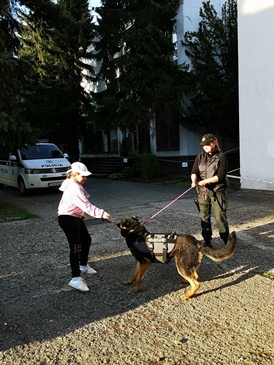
[13, 158]
[65, 155]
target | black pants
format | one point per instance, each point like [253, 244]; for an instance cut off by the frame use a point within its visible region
[79, 241]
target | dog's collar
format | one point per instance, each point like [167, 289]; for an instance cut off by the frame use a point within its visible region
[139, 233]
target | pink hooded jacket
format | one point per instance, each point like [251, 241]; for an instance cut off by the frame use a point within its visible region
[75, 201]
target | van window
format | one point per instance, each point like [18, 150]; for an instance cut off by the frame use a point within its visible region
[40, 152]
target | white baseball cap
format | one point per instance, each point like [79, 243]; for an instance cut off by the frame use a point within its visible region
[80, 168]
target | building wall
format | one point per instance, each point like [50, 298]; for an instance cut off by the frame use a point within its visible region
[256, 93]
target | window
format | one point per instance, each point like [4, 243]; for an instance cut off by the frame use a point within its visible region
[167, 132]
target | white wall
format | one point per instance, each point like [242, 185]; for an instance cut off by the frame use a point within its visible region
[256, 93]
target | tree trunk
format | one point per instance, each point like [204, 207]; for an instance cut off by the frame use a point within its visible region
[144, 134]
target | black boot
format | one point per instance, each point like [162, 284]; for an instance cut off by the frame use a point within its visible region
[207, 234]
[224, 237]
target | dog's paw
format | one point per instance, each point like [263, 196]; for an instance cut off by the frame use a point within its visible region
[127, 282]
[185, 297]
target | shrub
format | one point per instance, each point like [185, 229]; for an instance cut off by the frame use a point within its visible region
[147, 165]
[130, 171]
[116, 176]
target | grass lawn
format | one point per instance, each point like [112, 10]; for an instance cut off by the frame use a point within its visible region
[10, 212]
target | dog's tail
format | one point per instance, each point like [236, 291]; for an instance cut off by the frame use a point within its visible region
[222, 253]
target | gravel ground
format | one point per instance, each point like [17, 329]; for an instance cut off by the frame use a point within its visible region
[45, 322]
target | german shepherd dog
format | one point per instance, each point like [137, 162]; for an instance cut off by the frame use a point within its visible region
[188, 253]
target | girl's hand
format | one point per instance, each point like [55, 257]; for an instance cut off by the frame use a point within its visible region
[107, 216]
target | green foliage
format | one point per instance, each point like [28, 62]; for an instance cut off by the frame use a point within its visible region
[135, 47]
[129, 171]
[116, 176]
[14, 129]
[55, 40]
[268, 274]
[213, 51]
[147, 165]
[42, 58]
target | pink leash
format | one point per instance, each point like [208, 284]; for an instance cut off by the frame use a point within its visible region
[173, 201]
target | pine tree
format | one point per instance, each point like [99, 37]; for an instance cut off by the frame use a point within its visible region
[13, 129]
[213, 51]
[55, 40]
[134, 44]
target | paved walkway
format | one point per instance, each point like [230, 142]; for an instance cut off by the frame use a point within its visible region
[43, 321]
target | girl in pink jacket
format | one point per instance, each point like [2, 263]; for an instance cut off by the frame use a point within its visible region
[72, 208]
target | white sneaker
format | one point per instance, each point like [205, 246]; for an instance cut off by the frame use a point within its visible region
[79, 284]
[88, 270]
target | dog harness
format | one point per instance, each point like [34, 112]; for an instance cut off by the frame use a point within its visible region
[159, 245]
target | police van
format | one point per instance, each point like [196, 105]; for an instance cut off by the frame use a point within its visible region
[42, 165]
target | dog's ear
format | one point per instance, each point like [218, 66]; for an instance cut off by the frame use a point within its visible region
[136, 218]
[124, 223]
[123, 227]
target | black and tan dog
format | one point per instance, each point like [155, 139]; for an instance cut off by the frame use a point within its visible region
[188, 253]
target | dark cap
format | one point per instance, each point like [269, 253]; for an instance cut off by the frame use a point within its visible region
[206, 139]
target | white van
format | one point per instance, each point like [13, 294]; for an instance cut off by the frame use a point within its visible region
[40, 166]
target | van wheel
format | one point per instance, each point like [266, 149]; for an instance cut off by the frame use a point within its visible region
[22, 188]
[1, 186]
